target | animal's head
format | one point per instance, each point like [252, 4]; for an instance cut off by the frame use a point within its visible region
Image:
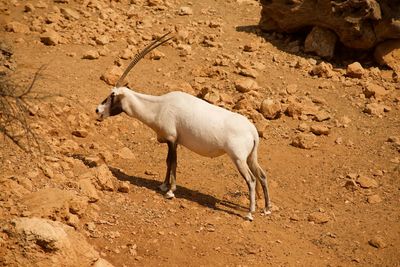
[112, 105]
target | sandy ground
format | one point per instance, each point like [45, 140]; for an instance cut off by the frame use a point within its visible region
[334, 204]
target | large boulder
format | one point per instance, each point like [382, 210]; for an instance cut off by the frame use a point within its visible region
[388, 53]
[42, 242]
[359, 24]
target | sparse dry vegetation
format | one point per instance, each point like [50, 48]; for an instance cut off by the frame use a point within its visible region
[15, 109]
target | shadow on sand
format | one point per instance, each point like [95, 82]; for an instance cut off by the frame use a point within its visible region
[183, 193]
[286, 42]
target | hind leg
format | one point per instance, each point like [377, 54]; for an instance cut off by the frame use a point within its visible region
[250, 179]
[262, 176]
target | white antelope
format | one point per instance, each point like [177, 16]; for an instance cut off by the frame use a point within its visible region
[182, 119]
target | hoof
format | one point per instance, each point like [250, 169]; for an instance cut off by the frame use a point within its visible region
[265, 212]
[169, 195]
[249, 217]
[163, 187]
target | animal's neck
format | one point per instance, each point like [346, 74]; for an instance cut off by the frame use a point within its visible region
[140, 106]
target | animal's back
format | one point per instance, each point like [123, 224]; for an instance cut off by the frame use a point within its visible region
[205, 128]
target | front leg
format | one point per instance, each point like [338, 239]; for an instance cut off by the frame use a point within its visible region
[170, 177]
[164, 187]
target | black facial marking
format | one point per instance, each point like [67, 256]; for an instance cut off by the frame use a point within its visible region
[115, 106]
[104, 101]
[115, 109]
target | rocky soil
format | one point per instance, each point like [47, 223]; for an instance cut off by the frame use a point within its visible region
[330, 142]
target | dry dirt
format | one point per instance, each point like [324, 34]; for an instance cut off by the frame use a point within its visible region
[336, 202]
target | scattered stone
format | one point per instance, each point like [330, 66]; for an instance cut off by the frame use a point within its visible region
[262, 127]
[156, 55]
[388, 53]
[107, 156]
[374, 199]
[64, 245]
[244, 85]
[323, 70]
[377, 242]
[297, 108]
[91, 54]
[225, 98]
[102, 263]
[339, 140]
[355, 70]
[318, 217]
[303, 127]
[374, 90]
[102, 40]
[291, 89]
[16, 27]
[90, 226]
[53, 18]
[320, 130]
[72, 220]
[185, 11]
[112, 75]
[176, 85]
[366, 182]
[88, 189]
[41, 4]
[210, 95]
[271, 109]
[344, 121]
[252, 47]
[104, 51]
[302, 63]
[78, 206]
[48, 172]
[184, 50]
[69, 14]
[114, 234]
[304, 141]
[127, 54]
[378, 173]
[294, 218]
[82, 133]
[104, 178]
[248, 73]
[321, 41]
[144, 23]
[50, 38]
[126, 153]
[71, 54]
[124, 187]
[29, 8]
[374, 109]
[393, 139]
[322, 116]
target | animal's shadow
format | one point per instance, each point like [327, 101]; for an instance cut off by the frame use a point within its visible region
[182, 192]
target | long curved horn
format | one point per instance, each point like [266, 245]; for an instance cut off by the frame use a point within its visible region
[141, 55]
